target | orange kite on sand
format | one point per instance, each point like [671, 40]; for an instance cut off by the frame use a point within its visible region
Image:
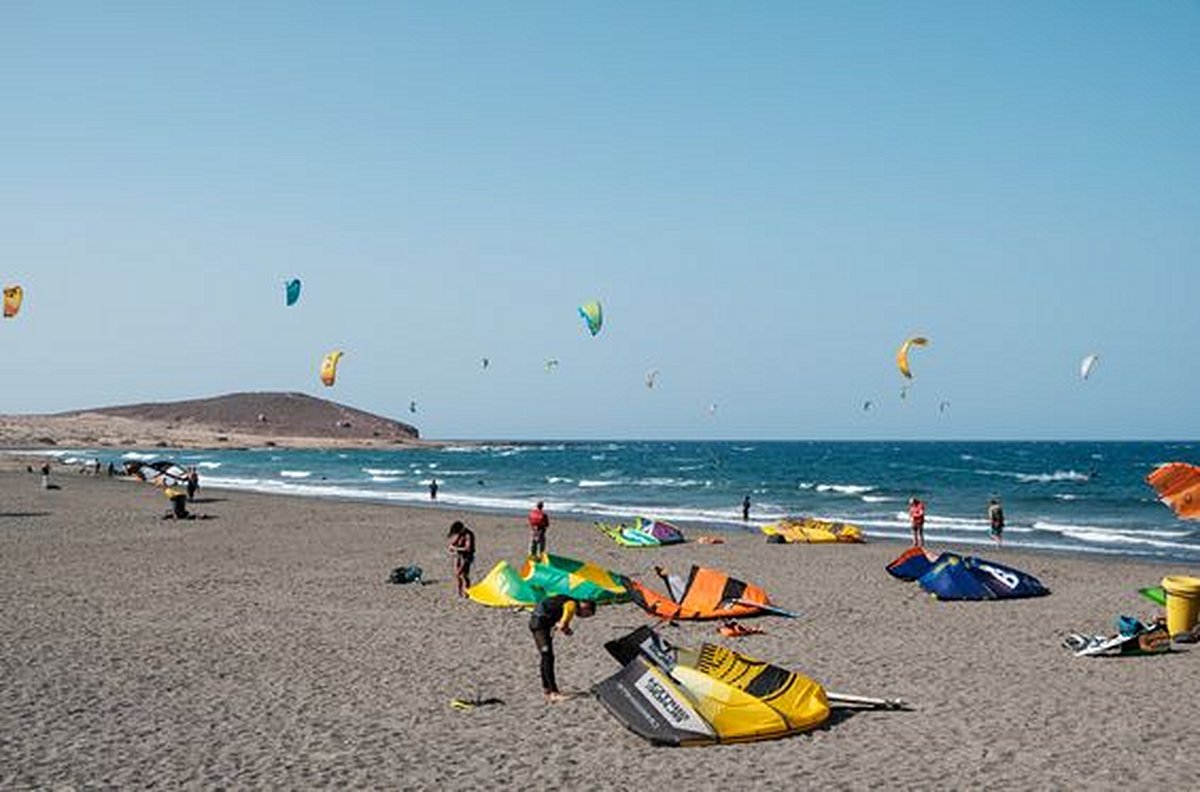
[706, 594]
[1178, 486]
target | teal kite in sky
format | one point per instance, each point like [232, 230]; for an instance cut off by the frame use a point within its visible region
[293, 291]
[593, 315]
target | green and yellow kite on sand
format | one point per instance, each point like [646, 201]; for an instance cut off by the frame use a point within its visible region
[544, 577]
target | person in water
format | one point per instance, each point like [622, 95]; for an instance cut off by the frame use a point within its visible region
[433, 488]
[462, 547]
[538, 523]
[996, 520]
[746, 509]
[916, 515]
[554, 613]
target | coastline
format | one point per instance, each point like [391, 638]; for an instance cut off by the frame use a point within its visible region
[264, 647]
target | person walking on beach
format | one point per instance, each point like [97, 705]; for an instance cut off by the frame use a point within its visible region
[916, 515]
[554, 613]
[538, 523]
[996, 519]
[433, 489]
[746, 508]
[45, 475]
[193, 482]
[462, 547]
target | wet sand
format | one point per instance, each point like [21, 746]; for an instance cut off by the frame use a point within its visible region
[264, 647]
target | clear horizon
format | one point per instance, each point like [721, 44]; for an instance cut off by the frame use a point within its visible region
[767, 201]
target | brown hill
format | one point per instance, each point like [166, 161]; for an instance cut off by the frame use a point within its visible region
[249, 419]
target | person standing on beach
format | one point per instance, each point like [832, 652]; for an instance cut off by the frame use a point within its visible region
[462, 546]
[433, 489]
[746, 508]
[538, 523]
[996, 519]
[193, 482]
[45, 475]
[916, 515]
[554, 613]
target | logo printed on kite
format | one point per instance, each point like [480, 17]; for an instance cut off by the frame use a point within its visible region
[670, 707]
[1007, 578]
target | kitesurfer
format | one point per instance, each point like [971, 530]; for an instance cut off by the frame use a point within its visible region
[916, 514]
[996, 519]
[462, 547]
[554, 613]
[746, 509]
[538, 523]
[433, 488]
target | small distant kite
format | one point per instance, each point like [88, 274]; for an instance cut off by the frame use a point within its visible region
[650, 377]
[867, 405]
[293, 291]
[712, 409]
[484, 362]
[551, 364]
[903, 391]
[1089, 363]
[412, 406]
[593, 314]
[12, 300]
[902, 355]
[942, 407]
[329, 367]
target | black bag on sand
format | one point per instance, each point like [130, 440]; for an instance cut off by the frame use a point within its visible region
[408, 574]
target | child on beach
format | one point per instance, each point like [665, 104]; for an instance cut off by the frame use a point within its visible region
[916, 514]
[462, 547]
[554, 613]
[538, 523]
[996, 519]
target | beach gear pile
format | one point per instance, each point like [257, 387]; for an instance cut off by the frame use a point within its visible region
[643, 533]
[405, 574]
[809, 530]
[505, 587]
[672, 695]
[1133, 637]
[955, 577]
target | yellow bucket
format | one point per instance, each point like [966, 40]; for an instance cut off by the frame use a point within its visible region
[1183, 602]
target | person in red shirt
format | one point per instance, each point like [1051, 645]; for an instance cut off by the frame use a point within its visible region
[538, 523]
[916, 513]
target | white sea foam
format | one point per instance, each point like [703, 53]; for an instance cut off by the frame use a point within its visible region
[208, 465]
[586, 483]
[559, 480]
[878, 499]
[384, 479]
[383, 471]
[844, 489]
[139, 455]
[1038, 478]
[297, 474]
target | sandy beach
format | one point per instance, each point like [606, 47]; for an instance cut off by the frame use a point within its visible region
[264, 647]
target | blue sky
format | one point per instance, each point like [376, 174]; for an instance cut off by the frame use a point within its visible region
[767, 198]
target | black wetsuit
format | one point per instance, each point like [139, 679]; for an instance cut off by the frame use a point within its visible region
[546, 614]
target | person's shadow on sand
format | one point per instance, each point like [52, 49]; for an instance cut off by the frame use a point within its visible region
[25, 514]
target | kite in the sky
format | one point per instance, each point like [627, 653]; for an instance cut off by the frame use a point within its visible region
[868, 404]
[712, 409]
[12, 300]
[412, 406]
[551, 364]
[902, 355]
[329, 368]
[650, 377]
[942, 407]
[484, 362]
[293, 291]
[593, 315]
[1089, 363]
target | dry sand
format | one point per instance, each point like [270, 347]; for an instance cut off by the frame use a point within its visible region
[264, 648]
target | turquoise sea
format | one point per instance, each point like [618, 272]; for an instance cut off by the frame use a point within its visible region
[1086, 497]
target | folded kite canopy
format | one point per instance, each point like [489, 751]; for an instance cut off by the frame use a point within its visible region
[809, 530]
[708, 594]
[911, 564]
[954, 577]
[1178, 486]
[643, 533]
[676, 696]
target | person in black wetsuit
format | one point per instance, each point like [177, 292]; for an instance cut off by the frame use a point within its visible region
[554, 613]
[462, 546]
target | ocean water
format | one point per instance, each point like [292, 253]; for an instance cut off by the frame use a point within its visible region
[1074, 496]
